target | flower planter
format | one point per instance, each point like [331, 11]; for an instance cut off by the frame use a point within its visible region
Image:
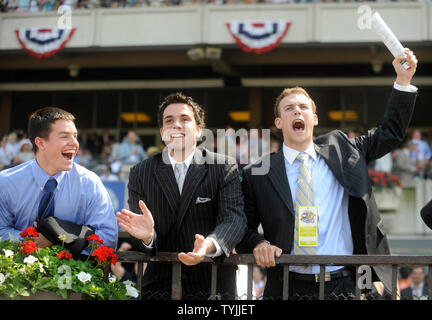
[43, 295]
[387, 199]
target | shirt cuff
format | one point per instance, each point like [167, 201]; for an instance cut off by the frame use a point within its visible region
[409, 88]
[148, 246]
[218, 249]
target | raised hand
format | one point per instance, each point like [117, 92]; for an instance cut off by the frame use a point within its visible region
[140, 226]
[404, 76]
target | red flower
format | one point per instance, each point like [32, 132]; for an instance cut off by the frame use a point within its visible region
[105, 254]
[30, 232]
[28, 247]
[64, 255]
[95, 238]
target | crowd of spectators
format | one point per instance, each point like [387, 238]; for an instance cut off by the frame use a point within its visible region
[412, 160]
[112, 160]
[52, 5]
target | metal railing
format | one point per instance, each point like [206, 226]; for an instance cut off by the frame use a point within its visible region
[285, 260]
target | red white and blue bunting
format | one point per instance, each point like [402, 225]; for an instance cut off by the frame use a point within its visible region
[258, 37]
[43, 42]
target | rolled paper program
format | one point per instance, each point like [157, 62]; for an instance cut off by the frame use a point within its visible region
[388, 37]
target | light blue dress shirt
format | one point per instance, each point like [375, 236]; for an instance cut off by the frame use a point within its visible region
[80, 197]
[334, 230]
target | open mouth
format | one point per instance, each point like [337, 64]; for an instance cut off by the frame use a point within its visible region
[177, 136]
[298, 125]
[68, 155]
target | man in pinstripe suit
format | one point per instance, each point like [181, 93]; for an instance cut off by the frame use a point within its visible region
[332, 179]
[191, 202]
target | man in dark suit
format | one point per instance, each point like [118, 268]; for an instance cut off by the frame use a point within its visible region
[330, 188]
[418, 289]
[190, 198]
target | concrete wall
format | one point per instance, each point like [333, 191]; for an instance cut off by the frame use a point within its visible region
[188, 26]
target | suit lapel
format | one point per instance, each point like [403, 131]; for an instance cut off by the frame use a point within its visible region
[278, 178]
[164, 176]
[195, 174]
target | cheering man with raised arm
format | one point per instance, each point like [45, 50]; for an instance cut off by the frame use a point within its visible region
[317, 196]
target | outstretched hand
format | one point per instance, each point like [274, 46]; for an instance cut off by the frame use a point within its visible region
[202, 247]
[140, 226]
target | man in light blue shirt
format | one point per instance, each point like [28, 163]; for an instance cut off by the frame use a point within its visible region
[130, 152]
[79, 196]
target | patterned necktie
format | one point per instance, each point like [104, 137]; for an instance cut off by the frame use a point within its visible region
[180, 175]
[46, 204]
[304, 197]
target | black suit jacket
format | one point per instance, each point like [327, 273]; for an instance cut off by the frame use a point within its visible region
[178, 218]
[407, 293]
[268, 197]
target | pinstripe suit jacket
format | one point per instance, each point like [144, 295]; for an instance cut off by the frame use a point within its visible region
[268, 197]
[178, 218]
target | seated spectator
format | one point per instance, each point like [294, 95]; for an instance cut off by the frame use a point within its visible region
[12, 143]
[403, 166]
[48, 5]
[422, 154]
[418, 289]
[130, 152]
[6, 154]
[11, 5]
[23, 5]
[34, 5]
[25, 154]
[107, 175]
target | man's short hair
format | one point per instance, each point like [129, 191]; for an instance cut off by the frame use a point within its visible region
[40, 121]
[289, 91]
[178, 97]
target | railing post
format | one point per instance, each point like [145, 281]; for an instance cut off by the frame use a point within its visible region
[321, 282]
[139, 279]
[249, 281]
[394, 281]
[176, 288]
[285, 284]
[430, 282]
[213, 281]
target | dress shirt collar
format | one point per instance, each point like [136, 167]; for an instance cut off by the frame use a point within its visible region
[290, 154]
[41, 177]
[187, 161]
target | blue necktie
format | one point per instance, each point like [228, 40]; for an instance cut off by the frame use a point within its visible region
[46, 204]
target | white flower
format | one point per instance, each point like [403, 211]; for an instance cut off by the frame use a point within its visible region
[41, 269]
[30, 259]
[128, 283]
[2, 278]
[131, 291]
[8, 253]
[84, 276]
[112, 278]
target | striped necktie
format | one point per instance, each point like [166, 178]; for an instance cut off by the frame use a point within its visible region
[304, 197]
